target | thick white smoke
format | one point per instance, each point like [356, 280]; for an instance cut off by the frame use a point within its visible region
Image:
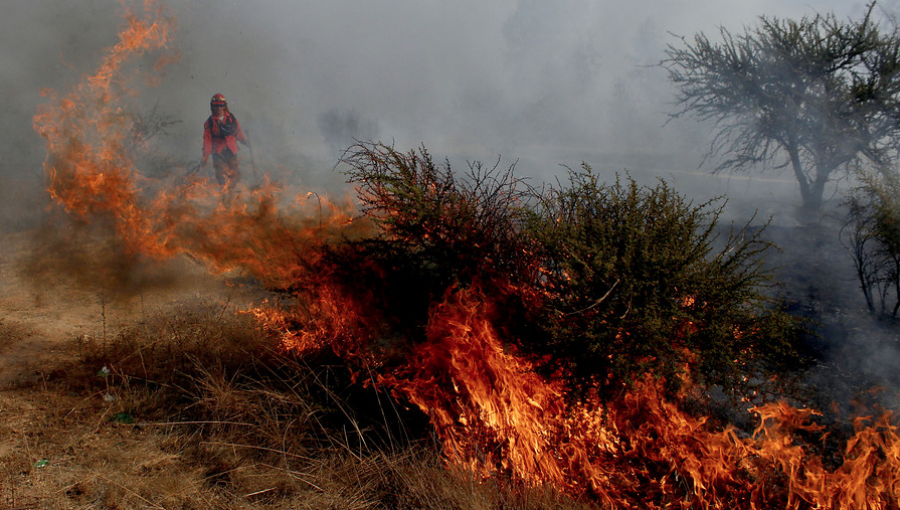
[538, 81]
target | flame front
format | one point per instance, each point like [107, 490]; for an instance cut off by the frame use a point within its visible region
[85, 131]
[492, 411]
[495, 415]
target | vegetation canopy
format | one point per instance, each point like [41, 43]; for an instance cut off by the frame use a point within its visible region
[815, 95]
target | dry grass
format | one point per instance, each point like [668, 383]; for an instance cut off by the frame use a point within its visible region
[197, 409]
[9, 333]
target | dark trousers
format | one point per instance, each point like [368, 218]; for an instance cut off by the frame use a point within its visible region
[228, 172]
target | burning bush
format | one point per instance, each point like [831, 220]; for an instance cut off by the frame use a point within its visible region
[605, 283]
[436, 230]
[637, 285]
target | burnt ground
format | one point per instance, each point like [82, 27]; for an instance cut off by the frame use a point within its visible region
[855, 351]
[53, 295]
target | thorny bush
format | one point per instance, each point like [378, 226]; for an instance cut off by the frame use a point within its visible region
[437, 230]
[638, 285]
[601, 283]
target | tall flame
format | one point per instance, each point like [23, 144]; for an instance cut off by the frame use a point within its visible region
[92, 173]
[85, 131]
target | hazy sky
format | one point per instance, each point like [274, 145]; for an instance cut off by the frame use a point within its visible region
[544, 82]
[471, 76]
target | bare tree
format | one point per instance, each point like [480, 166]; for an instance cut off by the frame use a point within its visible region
[872, 234]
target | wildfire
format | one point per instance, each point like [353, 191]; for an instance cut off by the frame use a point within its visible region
[495, 415]
[92, 173]
[491, 410]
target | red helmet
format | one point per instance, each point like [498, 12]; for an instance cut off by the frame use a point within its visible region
[218, 100]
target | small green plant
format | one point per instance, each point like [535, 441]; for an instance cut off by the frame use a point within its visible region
[122, 417]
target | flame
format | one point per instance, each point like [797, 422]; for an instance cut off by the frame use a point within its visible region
[459, 377]
[92, 173]
[491, 410]
[274, 235]
[495, 415]
[85, 131]
[327, 319]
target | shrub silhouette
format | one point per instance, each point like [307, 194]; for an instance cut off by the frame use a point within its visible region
[872, 234]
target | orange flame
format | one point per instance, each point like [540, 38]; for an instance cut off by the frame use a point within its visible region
[92, 173]
[459, 377]
[85, 130]
[494, 414]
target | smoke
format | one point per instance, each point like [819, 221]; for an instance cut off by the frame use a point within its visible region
[537, 82]
[534, 81]
[66, 255]
[341, 129]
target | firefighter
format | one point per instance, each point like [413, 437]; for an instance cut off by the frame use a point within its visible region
[221, 133]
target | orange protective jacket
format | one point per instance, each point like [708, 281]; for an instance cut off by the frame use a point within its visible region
[221, 133]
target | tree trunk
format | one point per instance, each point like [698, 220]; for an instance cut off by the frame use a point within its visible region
[813, 205]
[811, 202]
[817, 188]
